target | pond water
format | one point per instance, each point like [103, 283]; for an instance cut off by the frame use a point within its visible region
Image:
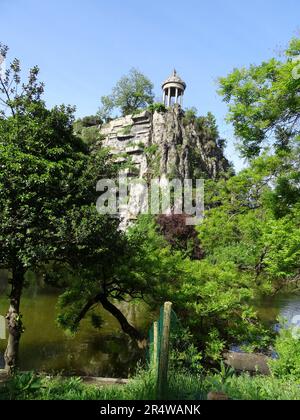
[283, 305]
[45, 347]
[106, 352]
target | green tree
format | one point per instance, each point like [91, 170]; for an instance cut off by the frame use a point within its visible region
[140, 268]
[48, 196]
[212, 301]
[87, 129]
[259, 220]
[264, 102]
[287, 347]
[132, 92]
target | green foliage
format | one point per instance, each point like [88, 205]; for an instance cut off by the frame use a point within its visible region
[17, 94]
[216, 297]
[48, 216]
[220, 380]
[287, 347]
[190, 115]
[246, 387]
[134, 267]
[141, 145]
[131, 93]
[248, 252]
[157, 107]
[261, 246]
[207, 130]
[182, 386]
[184, 355]
[151, 150]
[141, 387]
[215, 345]
[91, 135]
[153, 160]
[207, 126]
[89, 121]
[55, 179]
[21, 386]
[264, 102]
[47, 184]
[88, 130]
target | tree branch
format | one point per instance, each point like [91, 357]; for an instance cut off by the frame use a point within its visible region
[126, 327]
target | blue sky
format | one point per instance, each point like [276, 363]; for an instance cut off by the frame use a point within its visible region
[84, 47]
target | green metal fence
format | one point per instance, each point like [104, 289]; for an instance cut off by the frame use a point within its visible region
[159, 346]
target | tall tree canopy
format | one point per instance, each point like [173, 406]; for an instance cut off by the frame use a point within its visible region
[264, 101]
[132, 92]
[48, 195]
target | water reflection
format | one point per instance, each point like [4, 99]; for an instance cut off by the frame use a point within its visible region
[45, 347]
[105, 352]
[283, 305]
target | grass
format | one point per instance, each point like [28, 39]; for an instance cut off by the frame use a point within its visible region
[142, 387]
[246, 387]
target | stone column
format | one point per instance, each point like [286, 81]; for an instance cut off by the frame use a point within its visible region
[169, 97]
[176, 98]
[181, 98]
[164, 97]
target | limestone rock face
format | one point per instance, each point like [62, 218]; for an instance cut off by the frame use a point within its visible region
[163, 144]
[184, 153]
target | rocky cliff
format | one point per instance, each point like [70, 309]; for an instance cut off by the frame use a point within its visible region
[165, 143]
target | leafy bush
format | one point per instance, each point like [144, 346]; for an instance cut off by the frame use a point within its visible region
[91, 121]
[215, 345]
[245, 387]
[157, 107]
[22, 386]
[190, 116]
[288, 349]
[184, 355]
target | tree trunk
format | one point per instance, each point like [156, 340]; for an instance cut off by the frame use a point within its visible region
[14, 321]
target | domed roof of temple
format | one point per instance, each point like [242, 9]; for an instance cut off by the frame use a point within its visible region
[174, 79]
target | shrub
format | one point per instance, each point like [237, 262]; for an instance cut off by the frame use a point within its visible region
[190, 116]
[287, 347]
[184, 355]
[21, 386]
[157, 107]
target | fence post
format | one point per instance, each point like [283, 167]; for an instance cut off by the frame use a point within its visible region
[164, 352]
[155, 346]
[2, 328]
